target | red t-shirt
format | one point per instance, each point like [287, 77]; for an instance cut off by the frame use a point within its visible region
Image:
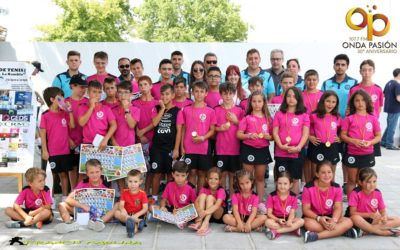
[134, 202]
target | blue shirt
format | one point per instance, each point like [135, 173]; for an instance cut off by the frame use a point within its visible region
[342, 90]
[392, 89]
[299, 84]
[62, 81]
[268, 82]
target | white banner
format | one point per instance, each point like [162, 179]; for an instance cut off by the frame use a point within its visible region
[17, 117]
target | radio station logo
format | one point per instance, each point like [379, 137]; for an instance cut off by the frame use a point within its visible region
[368, 42]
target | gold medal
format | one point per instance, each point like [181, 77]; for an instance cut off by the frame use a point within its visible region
[288, 139]
[327, 144]
[260, 135]
[194, 134]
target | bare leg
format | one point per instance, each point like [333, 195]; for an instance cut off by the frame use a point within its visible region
[65, 211]
[156, 183]
[260, 181]
[352, 179]
[73, 177]
[64, 183]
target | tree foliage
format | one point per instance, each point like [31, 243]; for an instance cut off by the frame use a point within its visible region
[90, 21]
[189, 21]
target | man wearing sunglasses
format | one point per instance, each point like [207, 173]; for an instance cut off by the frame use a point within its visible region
[211, 60]
[126, 75]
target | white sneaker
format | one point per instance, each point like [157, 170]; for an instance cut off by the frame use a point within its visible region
[96, 226]
[63, 228]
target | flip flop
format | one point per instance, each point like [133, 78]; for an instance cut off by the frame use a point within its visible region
[194, 226]
[204, 233]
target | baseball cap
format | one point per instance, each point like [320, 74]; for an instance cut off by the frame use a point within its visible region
[78, 79]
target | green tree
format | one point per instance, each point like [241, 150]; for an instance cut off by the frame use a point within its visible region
[90, 21]
[189, 21]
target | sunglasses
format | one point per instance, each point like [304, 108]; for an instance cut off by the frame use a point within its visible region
[198, 70]
[124, 66]
[212, 62]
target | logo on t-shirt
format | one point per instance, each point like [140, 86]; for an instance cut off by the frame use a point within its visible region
[264, 127]
[154, 165]
[250, 158]
[333, 125]
[374, 203]
[63, 122]
[182, 198]
[295, 121]
[203, 117]
[100, 114]
[220, 164]
[38, 202]
[249, 207]
[347, 87]
[368, 126]
[374, 97]
[329, 203]
[288, 209]
[320, 157]
[351, 160]
[220, 102]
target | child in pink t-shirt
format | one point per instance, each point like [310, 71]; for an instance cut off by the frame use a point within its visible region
[367, 208]
[66, 208]
[198, 125]
[322, 207]
[281, 209]
[178, 193]
[110, 88]
[287, 81]
[255, 131]
[213, 97]
[210, 204]
[255, 84]
[311, 94]
[290, 131]
[96, 118]
[54, 134]
[180, 90]
[227, 145]
[324, 139]
[165, 69]
[126, 116]
[78, 85]
[244, 206]
[361, 131]
[37, 202]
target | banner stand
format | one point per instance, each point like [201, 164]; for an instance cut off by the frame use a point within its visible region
[18, 175]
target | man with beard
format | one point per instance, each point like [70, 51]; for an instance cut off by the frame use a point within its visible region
[124, 69]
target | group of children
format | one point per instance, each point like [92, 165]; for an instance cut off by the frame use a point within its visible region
[209, 142]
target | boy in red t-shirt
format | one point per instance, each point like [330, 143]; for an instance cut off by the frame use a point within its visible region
[133, 205]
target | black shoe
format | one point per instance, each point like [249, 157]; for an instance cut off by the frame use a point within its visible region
[351, 233]
[391, 147]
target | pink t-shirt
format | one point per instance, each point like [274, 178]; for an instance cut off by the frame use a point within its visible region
[101, 78]
[124, 135]
[76, 133]
[278, 99]
[366, 203]
[357, 126]
[179, 197]
[156, 89]
[213, 99]
[183, 104]
[325, 128]
[147, 112]
[256, 125]
[245, 205]
[321, 202]
[110, 105]
[134, 83]
[87, 184]
[226, 141]
[376, 94]
[57, 132]
[97, 123]
[281, 208]
[243, 104]
[199, 120]
[311, 100]
[290, 124]
[34, 201]
[219, 194]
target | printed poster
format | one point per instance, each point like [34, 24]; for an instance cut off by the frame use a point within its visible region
[181, 216]
[100, 200]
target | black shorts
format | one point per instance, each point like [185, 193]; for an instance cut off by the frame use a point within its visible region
[229, 163]
[320, 153]
[197, 161]
[293, 165]
[60, 163]
[342, 147]
[219, 221]
[359, 161]
[74, 156]
[377, 149]
[160, 161]
[212, 151]
[48, 221]
[254, 156]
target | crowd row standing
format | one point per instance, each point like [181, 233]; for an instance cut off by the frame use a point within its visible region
[226, 125]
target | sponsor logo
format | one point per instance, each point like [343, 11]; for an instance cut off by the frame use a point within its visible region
[250, 158]
[220, 164]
